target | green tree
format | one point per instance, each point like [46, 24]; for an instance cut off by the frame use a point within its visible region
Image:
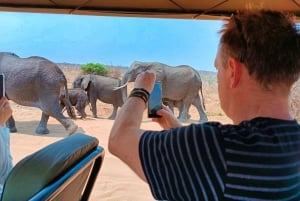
[94, 68]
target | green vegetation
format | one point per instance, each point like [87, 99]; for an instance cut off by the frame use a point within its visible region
[94, 68]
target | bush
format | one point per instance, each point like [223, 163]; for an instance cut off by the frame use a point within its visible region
[94, 68]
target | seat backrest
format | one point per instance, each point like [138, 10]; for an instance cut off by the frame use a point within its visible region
[64, 170]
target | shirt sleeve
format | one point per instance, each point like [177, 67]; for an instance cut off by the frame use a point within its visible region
[5, 156]
[185, 163]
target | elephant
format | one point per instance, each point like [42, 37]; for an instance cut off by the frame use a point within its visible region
[179, 83]
[172, 104]
[78, 99]
[36, 82]
[102, 88]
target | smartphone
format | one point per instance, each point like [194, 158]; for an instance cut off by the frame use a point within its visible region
[2, 85]
[155, 101]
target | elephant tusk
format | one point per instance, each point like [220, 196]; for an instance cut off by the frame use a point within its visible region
[122, 86]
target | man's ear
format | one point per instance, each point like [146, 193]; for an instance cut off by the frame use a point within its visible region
[235, 71]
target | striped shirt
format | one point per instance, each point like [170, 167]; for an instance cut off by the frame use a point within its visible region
[255, 160]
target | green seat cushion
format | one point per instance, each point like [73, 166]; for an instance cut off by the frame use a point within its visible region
[39, 169]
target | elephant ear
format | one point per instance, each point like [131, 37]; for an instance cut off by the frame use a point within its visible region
[85, 82]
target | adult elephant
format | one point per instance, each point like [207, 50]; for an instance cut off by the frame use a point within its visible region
[36, 82]
[102, 88]
[179, 83]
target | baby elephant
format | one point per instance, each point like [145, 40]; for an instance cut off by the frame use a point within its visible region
[78, 98]
[102, 88]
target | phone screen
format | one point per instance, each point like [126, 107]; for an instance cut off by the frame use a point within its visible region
[155, 101]
[2, 85]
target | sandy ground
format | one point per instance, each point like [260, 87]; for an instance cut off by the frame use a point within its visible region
[116, 182]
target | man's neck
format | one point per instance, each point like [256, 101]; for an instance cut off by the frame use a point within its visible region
[260, 103]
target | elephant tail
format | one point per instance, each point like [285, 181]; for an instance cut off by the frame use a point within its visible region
[68, 105]
[202, 98]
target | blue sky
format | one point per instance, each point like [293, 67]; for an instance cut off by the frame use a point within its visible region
[110, 40]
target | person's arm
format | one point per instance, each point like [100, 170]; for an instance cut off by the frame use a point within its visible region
[5, 155]
[5, 111]
[125, 133]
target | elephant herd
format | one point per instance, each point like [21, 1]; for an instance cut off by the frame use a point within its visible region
[38, 82]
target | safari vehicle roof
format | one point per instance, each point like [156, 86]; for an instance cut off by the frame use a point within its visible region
[181, 9]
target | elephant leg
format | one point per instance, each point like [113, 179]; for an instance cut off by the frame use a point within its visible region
[114, 113]
[94, 107]
[77, 108]
[78, 112]
[68, 124]
[80, 108]
[11, 124]
[188, 114]
[184, 113]
[172, 109]
[180, 112]
[198, 105]
[54, 111]
[83, 114]
[179, 106]
[42, 127]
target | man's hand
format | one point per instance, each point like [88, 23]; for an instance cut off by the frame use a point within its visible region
[5, 111]
[145, 80]
[167, 119]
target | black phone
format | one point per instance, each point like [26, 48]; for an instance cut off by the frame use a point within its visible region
[155, 101]
[2, 85]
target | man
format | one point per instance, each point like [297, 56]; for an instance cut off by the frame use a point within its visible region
[5, 155]
[255, 158]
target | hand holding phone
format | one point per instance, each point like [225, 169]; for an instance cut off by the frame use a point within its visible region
[2, 85]
[155, 101]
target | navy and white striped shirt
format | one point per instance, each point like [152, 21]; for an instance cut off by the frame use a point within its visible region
[255, 160]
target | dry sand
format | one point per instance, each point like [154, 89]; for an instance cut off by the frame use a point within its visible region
[116, 182]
